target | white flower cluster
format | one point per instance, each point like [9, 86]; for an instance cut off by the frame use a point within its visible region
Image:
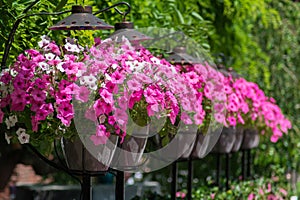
[23, 136]
[11, 121]
[21, 132]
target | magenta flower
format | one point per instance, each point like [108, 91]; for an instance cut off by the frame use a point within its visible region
[6, 78]
[62, 97]
[90, 114]
[117, 77]
[121, 117]
[82, 94]
[134, 85]
[185, 118]
[232, 121]
[99, 107]
[38, 95]
[19, 83]
[135, 97]
[106, 96]
[54, 48]
[111, 87]
[101, 135]
[65, 113]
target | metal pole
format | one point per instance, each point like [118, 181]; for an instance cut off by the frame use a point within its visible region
[227, 170]
[120, 186]
[86, 187]
[218, 169]
[190, 178]
[174, 181]
[249, 162]
[243, 165]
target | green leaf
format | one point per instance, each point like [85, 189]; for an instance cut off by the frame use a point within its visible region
[181, 19]
[165, 141]
[61, 4]
[196, 15]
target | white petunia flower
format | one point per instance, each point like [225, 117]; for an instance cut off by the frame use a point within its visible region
[44, 66]
[114, 66]
[72, 47]
[59, 67]
[8, 123]
[136, 66]
[13, 120]
[93, 86]
[49, 56]
[101, 119]
[20, 131]
[24, 138]
[13, 72]
[155, 60]
[80, 73]
[90, 81]
[45, 40]
[7, 138]
[107, 77]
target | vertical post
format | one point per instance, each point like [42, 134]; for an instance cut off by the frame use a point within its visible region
[190, 178]
[174, 181]
[249, 163]
[243, 165]
[120, 186]
[86, 187]
[218, 169]
[86, 178]
[227, 170]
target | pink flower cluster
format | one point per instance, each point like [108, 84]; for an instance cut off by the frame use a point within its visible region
[210, 87]
[262, 109]
[39, 91]
[111, 78]
[236, 101]
[129, 77]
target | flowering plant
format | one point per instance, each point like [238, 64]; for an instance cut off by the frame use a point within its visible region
[39, 91]
[209, 82]
[236, 102]
[260, 110]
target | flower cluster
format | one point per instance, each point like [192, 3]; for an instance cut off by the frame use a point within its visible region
[40, 89]
[261, 109]
[237, 102]
[115, 82]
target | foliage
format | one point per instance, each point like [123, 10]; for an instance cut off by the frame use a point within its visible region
[281, 44]
[261, 188]
[234, 21]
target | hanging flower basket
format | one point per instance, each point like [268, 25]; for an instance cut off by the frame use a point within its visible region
[226, 140]
[129, 155]
[239, 136]
[251, 139]
[78, 158]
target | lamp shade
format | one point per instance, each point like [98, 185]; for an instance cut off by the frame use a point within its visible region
[81, 19]
[180, 56]
[125, 29]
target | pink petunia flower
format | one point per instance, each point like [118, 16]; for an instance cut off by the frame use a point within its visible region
[82, 94]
